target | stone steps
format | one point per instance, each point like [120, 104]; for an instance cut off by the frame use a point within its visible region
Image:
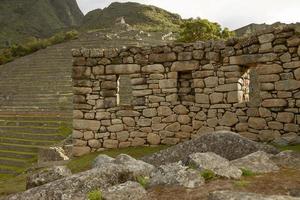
[17, 155]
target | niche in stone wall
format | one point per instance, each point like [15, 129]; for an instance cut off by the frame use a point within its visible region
[124, 90]
[186, 90]
[250, 87]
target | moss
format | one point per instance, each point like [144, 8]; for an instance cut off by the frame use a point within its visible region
[95, 195]
[290, 147]
[241, 183]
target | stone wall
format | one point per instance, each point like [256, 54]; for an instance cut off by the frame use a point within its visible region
[168, 94]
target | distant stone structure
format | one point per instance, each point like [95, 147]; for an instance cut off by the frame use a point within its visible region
[175, 92]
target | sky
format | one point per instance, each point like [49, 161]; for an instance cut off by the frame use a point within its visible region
[229, 13]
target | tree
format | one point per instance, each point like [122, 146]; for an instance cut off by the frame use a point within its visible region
[193, 30]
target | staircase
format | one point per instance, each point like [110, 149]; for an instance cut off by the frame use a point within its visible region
[36, 99]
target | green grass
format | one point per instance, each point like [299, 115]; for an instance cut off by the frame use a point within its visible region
[95, 195]
[241, 183]
[290, 147]
[208, 175]
[10, 185]
[143, 181]
[85, 162]
[247, 172]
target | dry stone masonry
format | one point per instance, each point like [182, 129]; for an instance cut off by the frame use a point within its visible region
[168, 94]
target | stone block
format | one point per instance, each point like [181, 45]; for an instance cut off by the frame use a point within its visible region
[211, 82]
[184, 119]
[252, 58]
[157, 68]
[123, 69]
[153, 139]
[202, 98]
[164, 111]
[180, 110]
[163, 57]
[110, 144]
[269, 69]
[287, 85]
[257, 123]
[184, 66]
[266, 38]
[150, 112]
[115, 128]
[229, 119]
[269, 103]
[80, 124]
[216, 98]
[168, 83]
[292, 65]
[285, 117]
[80, 151]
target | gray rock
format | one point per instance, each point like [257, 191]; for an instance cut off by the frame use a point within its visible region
[211, 161]
[288, 159]
[231, 195]
[258, 162]
[176, 174]
[70, 187]
[227, 144]
[47, 175]
[136, 167]
[129, 190]
[102, 160]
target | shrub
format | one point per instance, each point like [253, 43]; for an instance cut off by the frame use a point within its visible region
[95, 195]
[208, 174]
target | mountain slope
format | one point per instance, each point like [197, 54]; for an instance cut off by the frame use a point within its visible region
[135, 14]
[20, 19]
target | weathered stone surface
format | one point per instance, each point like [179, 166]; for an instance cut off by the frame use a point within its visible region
[257, 123]
[184, 66]
[211, 161]
[292, 65]
[128, 190]
[78, 151]
[202, 98]
[81, 124]
[297, 74]
[287, 159]
[229, 119]
[174, 127]
[266, 38]
[168, 83]
[164, 57]
[128, 113]
[122, 69]
[164, 111]
[269, 69]
[232, 195]
[285, 117]
[287, 85]
[269, 103]
[254, 58]
[157, 68]
[224, 143]
[47, 175]
[211, 82]
[177, 175]
[257, 162]
[101, 160]
[150, 112]
[184, 119]
[153, 139]
[110, 144]
[180, 110]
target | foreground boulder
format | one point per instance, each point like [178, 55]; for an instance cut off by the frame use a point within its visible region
[176, 174]
[287, 159]
[125, 191]
[231, 195]
[136, 167]
[227, 144]
[258, 162]
[215, 163]
[47, 175]
[78, 184]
